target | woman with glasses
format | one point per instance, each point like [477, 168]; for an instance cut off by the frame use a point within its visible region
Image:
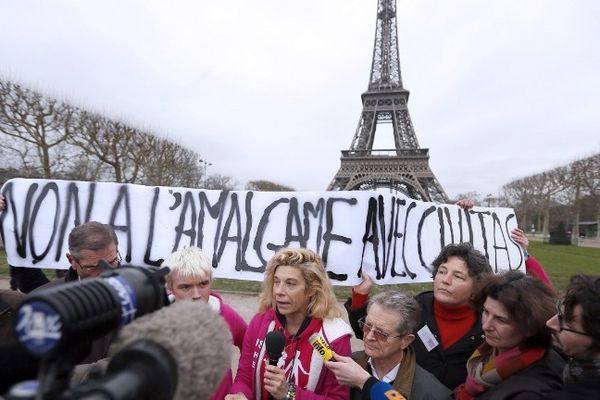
[298, 300]
[449, 329]
[515, 360]
[388, 330]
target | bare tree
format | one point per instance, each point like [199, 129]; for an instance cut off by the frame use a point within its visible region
[11, 172]
[169, 164]
[268, 186]
[220, 182]
[545, 187]
[537, 193]
[571, 194]
[84, 167]
[113, 143]
[44, 137]
[134, 156]
[558, 193]
[519, 195]
[588, 174]
[34, 128]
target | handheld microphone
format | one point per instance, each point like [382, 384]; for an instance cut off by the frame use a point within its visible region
[321, 346]
[384, 391]
[274, 343]
[53, 319]
[192, 333]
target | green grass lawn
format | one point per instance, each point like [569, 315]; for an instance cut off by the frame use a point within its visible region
[560, 261]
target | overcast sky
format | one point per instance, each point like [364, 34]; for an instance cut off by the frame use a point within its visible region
[270, 89]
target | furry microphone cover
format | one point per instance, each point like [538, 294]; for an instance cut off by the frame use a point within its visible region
[195, 336]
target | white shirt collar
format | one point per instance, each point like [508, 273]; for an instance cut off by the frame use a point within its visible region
[389, 377]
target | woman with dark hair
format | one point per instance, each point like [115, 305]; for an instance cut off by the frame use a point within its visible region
[449, 329]
[515, 361]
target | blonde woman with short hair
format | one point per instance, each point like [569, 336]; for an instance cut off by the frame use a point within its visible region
[298, 300]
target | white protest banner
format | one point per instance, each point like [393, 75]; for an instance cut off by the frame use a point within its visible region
[391, 237]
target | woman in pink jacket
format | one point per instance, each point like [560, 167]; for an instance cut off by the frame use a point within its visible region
[297, 300]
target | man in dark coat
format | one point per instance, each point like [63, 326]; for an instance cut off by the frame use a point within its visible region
[90, 243]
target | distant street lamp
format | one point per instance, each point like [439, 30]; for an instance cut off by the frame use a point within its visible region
[206, 164]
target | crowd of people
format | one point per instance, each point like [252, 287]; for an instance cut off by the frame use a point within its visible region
[476, 335]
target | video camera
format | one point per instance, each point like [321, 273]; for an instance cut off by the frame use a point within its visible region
[59, 324]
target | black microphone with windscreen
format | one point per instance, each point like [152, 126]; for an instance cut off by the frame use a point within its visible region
[59, 324]
[52, 321]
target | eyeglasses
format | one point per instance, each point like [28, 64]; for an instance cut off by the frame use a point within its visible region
[561, 319]
[115, 263]
[379, 335]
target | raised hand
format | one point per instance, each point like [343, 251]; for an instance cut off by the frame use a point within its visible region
[518, 236]
[466, 204]
[365, 286]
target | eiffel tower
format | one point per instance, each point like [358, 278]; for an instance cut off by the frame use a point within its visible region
[405, 168]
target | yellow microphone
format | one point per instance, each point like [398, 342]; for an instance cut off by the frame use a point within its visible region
[318, 342]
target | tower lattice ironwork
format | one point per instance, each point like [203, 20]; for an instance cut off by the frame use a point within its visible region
[406, 167]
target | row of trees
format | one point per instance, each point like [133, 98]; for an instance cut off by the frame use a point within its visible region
[563, 195]
[43, 137]
[48, 138]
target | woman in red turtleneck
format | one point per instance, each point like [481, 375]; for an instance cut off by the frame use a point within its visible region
[450, 328]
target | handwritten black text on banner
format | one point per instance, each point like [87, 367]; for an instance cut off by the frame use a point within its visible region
[391, 237]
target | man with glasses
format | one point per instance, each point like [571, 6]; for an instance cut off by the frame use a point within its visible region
[89, 243]
[388, 330]
[576, 333]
